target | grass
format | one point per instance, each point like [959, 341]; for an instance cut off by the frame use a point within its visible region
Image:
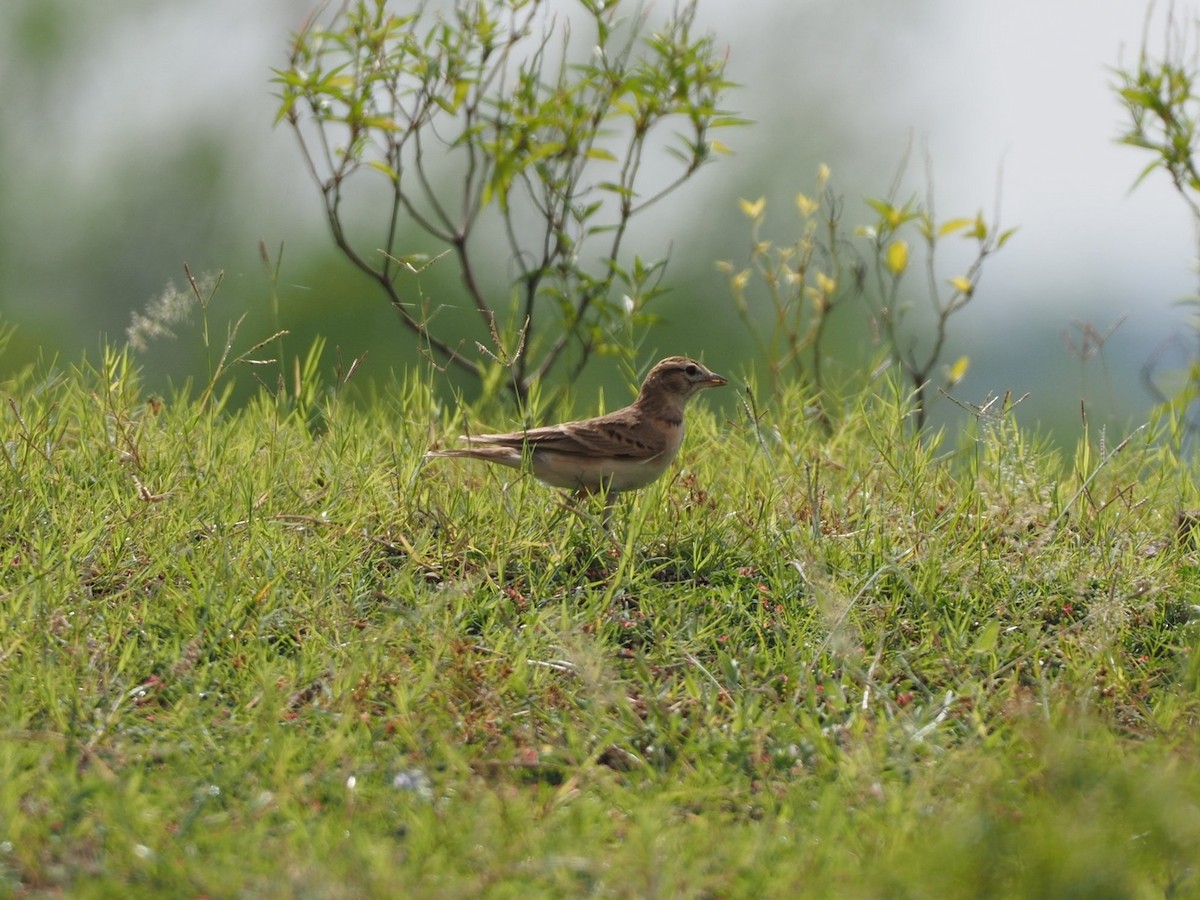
[272, 653]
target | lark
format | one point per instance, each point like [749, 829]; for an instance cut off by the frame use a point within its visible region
[610, 454]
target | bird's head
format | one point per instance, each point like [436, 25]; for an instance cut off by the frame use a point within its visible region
[676, 379]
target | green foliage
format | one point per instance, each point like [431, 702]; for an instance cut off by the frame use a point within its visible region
[805, 280]
[856, 665]
[822, 271]
[899, 227]
[500, 124]
[1162, 104]
[1160, 99]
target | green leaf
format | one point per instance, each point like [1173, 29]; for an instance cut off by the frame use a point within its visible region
[385, 169]
[543, 151]
[954, 225]
[926, 226]
[290, 77]
[1145, 172]
[381, 123]
[883, 208]
[728, 122]
[615, 188]
[988, 637]
[892, 216]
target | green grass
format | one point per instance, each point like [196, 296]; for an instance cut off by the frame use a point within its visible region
[261, 653]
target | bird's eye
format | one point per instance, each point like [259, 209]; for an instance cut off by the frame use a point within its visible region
[691, 370]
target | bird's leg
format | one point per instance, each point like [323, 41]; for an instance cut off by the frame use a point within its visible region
[609, 496]
[576, 502]
[580, 506]
[610, 500]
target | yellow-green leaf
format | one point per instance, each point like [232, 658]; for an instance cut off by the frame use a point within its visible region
[986, 642]
[897, 257]
[461, 88]
[954, 225]
[885, 210]
[807, 205]
[752, 209]
[383, 123]
[958, 371]
[962, 285]
[385, 169]
[925, 225]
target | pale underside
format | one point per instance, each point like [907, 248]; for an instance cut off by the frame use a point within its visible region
[573, 472]
[601, 459]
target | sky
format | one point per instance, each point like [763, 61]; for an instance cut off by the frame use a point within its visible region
[1015, 92]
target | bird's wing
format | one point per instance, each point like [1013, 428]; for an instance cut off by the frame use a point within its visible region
[615, 435]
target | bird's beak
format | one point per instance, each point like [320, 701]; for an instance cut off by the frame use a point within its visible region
[715, 380]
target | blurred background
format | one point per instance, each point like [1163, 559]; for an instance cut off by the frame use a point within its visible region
[139, 136]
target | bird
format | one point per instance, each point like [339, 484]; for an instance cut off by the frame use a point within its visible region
[610, 454]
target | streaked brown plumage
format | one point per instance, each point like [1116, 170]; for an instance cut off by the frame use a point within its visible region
[620, 451]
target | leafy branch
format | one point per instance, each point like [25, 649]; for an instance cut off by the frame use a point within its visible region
[491, 125]
[1160, 99]
[891, 249]
[820, 272]
[805, 280]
